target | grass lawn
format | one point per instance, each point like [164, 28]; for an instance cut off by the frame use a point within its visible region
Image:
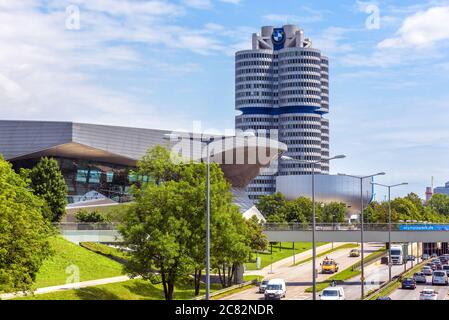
[136, 289]
[280, 251]
[91, 265]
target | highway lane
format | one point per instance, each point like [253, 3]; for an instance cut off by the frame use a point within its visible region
[299, 278]
[408, 294]
[375, 275]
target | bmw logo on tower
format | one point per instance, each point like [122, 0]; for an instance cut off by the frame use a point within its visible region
[278, 38]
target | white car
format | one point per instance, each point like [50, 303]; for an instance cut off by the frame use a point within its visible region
[276, 289]
[439, 277]
[333, 293]
[428, 294]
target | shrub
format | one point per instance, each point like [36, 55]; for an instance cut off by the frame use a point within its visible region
[91, 216]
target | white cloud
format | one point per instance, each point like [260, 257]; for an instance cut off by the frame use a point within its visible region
[421, 30]
[332, 41]
[49, 72]
[198, 4]
[231, 1]
[309, 16]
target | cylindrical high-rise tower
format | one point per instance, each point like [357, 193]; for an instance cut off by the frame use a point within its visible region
[283, 84]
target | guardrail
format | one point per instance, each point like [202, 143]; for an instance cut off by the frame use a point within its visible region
[68, 226]
[369, 259]
[355, 227]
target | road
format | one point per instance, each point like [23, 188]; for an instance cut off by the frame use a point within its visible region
[408, 294]
[299, 278]
[375, 275]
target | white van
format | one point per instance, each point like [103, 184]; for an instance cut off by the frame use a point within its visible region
[439, 277]
[276, 289]
[333, 293]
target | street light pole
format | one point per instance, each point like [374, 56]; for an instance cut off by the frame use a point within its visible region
[362, 256]
[208, 225]
[313, 232]
[389, 221]
[313, 163]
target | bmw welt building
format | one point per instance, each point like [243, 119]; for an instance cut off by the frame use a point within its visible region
[100, 158]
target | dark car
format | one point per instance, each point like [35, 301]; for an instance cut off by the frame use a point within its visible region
[408, 283]
[410, 258]
[443, 260]
[383, 298]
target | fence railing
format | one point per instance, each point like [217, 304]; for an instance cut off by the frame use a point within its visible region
[355, 227]
[67, 226]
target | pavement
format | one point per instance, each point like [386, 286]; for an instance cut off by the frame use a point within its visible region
[299, 278]
[69, 286]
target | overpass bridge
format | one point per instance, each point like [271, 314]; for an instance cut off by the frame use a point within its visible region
[283, 232]
[351, 232]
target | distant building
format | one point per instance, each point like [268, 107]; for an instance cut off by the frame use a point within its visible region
[442, 190]
[97, 161]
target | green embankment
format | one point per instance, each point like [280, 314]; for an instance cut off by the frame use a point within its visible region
[67, 258]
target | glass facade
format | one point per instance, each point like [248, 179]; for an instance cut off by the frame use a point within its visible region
[83, 176]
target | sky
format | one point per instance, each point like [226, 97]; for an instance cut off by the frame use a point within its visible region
[169, 64]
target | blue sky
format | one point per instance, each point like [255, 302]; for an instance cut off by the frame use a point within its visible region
[165, 64]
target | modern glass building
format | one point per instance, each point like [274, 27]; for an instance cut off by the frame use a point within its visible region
[282, 89]
[100, 158]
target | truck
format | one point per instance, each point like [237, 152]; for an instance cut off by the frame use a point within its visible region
[329, 266]
[398, 253]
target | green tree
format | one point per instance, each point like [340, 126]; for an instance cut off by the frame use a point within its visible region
[299, 210]
[273, 207]
[47, 182]
[157, 228]
[23, 232]
[333, 212]
[257, 241]
[440, 203]
[157, 165]
[174, 209]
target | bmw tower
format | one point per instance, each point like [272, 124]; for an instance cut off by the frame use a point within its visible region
[282, 88]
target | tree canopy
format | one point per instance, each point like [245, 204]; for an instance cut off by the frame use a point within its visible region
[277, 209]
[166, 224]
[406, 208]
[23, 232]
[47, 182]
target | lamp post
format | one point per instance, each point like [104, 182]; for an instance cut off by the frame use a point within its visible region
[362, 256]
[389, 221]
[313, 163]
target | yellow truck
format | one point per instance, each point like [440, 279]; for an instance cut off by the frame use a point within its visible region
[329, 266]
